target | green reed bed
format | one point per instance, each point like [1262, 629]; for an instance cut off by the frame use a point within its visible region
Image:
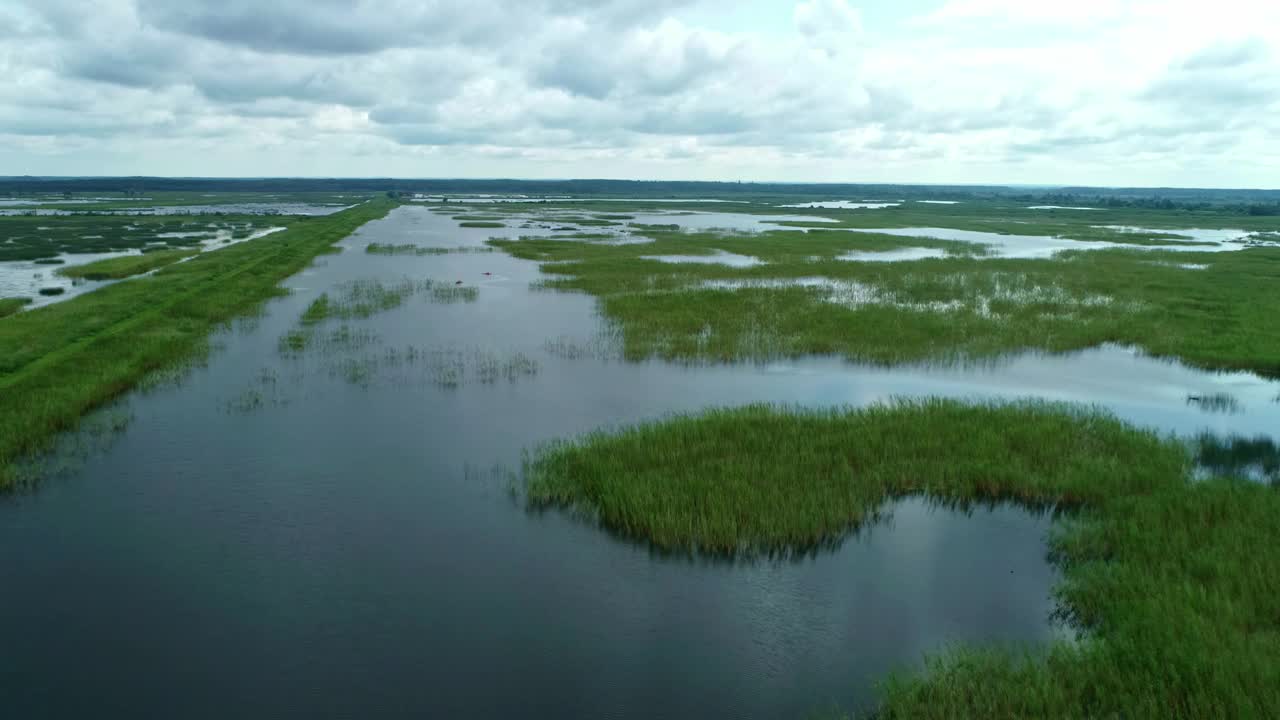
[1175, 584]
[60, 361]
[480, 224]
[119, 268]
[759, 478]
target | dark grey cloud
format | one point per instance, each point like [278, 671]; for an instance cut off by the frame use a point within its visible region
[337, 27]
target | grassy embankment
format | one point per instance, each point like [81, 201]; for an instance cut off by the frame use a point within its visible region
[804, 300]
[1177, 583]
[58, 362]
[118, 268]
[9, 306]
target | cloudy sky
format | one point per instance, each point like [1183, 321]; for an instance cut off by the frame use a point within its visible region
[1103, 92]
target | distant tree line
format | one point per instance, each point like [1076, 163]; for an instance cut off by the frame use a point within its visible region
[1232, 201]
[1252, 202]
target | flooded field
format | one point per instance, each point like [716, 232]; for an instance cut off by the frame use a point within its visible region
[26, 278]
[326, 511]
[844, 205]
[223, 209]
[1039, 246]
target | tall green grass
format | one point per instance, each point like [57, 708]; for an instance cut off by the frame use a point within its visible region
[60, 361]
[763, 479]
[9, 306]
[1175, 584]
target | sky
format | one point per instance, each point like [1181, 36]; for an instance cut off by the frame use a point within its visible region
[1089, 92]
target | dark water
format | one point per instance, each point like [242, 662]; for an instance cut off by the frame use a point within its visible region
[343, 550]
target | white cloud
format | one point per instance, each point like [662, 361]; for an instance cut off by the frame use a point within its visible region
[1114, 91]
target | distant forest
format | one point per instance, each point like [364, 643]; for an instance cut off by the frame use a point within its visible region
[1254, 202]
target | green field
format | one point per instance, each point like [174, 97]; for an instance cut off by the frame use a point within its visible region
[1174, 584]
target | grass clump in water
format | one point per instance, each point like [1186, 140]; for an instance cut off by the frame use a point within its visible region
[410, 249]
[1174, 583]
[318, 310]
[763, 479]
[1257, 458]
[445, 293]
[480, 224]
[118, 268]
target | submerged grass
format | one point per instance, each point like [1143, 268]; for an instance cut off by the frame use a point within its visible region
[60, 361]
[118, 268]
[1174, 583]
[410, 249]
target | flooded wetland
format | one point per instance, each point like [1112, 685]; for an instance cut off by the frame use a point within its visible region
[629, 460]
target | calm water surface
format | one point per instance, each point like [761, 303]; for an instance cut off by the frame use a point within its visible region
[343, 549]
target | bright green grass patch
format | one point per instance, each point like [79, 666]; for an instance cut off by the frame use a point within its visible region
[1175, 583]
[60, 361]
[125, 266]
[760, 479]
[9, 306]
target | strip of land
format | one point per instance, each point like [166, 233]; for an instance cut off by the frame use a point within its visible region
[118, 268]
[60, 361]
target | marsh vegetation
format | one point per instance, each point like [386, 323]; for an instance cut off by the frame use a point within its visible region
[1164, 543]
[127, 266]
[1171, 581]
[61, 361]
[803, 299]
